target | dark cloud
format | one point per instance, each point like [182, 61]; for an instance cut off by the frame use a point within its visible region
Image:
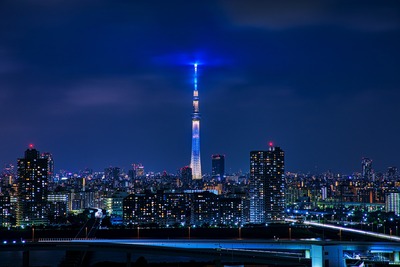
[98, 93]
[283, 15]
[275, 14]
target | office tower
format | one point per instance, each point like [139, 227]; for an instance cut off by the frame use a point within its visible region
[218, 166]
[32, 189]
[195, 161]
[366, 165]
[267, 195]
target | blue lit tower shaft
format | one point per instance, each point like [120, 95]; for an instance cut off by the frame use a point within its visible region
[195, 161]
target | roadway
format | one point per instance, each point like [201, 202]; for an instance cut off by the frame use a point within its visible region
[350, 230]
[228, 251]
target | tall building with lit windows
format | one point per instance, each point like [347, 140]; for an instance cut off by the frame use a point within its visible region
[140, 208]
[366, 172]
[218, 166]
[50, 164]
[32, 176]
[195, 160]
[267, 185]
[392, 202]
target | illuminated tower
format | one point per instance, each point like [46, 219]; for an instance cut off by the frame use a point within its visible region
[195, 162]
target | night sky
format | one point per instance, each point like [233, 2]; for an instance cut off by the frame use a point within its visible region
[109, 83]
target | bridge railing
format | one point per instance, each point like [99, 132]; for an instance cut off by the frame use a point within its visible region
[62, 239]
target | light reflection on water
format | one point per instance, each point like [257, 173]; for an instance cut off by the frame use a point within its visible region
[10, 258]
[36, 258]
[151, 258]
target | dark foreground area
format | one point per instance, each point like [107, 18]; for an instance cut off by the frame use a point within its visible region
[184, 264]
[142, 262]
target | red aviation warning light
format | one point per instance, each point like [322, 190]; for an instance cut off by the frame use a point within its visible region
[31, 146]
[271, 144]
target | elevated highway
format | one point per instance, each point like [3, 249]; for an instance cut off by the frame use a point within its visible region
[350, 230]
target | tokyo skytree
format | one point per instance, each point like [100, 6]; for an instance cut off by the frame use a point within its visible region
[195, 161]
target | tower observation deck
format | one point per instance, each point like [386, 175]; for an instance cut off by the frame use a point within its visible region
[195, 161]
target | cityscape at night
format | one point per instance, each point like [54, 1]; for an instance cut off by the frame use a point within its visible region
[216, 133]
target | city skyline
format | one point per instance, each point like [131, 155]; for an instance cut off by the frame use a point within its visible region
[102, 84]
[211, 161]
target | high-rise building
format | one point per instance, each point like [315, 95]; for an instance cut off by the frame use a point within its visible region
[230, 210]
[50, 164]
[366, 165]
[204, 208]
[7, 176]
[112, 174]
[5, 210]
[138, 170]
[392, 173]
[32, 178]
[185, 175]
[218, 166]
[392, 203]
[267, 185]
[195, 161]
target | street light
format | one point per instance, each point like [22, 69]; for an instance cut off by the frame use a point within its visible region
[33, 234]
[290, 233]
[189, 232]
